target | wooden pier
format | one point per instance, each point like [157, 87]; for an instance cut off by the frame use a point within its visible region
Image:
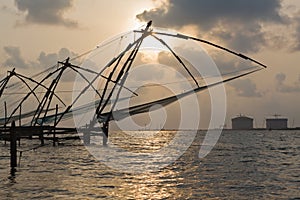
[14, 133]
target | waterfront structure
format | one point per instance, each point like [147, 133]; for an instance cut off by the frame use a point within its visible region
[242, 123]
[276, 123]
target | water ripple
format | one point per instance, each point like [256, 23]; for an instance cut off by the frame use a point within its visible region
[243, 165]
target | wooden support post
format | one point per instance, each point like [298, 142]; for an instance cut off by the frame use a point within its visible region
[54, 135]
[86, 136]
[42, 137]
[105, 133]
[13, 146]
[105, 138]
[5, 114]
[20, 122]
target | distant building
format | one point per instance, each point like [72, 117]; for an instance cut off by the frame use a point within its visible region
[276, 123]
[242, 123]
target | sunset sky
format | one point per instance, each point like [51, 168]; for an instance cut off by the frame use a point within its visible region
[37, 33]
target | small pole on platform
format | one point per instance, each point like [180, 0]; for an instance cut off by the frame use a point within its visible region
[20, 124]
[55, 119]
[5, 114]
[42, 136]
[5, 117]
[105, 133]
[86, 136]
[13, 146]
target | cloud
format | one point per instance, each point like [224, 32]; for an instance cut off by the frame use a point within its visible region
[234, 22]
[297, 34]
[229, 65]
[245, 88]
[15, 58]
[282, 87]
[44, 60]
[47, 60]
[209, 13]
[46, 11]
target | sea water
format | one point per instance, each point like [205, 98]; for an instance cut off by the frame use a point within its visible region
[242, 165]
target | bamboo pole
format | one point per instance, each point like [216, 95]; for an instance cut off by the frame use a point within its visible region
[55, 119]
[13, 146]
[5, 114]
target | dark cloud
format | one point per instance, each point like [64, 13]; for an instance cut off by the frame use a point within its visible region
[46, 11]
[282, 87]
[15, 58]
[247, 40]
[47, 60]
[207, 14]
[230, 65]
[237, 23]
[44, 60]
[245, 88]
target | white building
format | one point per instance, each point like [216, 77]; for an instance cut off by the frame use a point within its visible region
[242, 123]
[276, 123]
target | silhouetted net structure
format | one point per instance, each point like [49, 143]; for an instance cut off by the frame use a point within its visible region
[121, 77]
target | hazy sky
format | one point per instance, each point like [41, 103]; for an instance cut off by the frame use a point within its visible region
[35, 33]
